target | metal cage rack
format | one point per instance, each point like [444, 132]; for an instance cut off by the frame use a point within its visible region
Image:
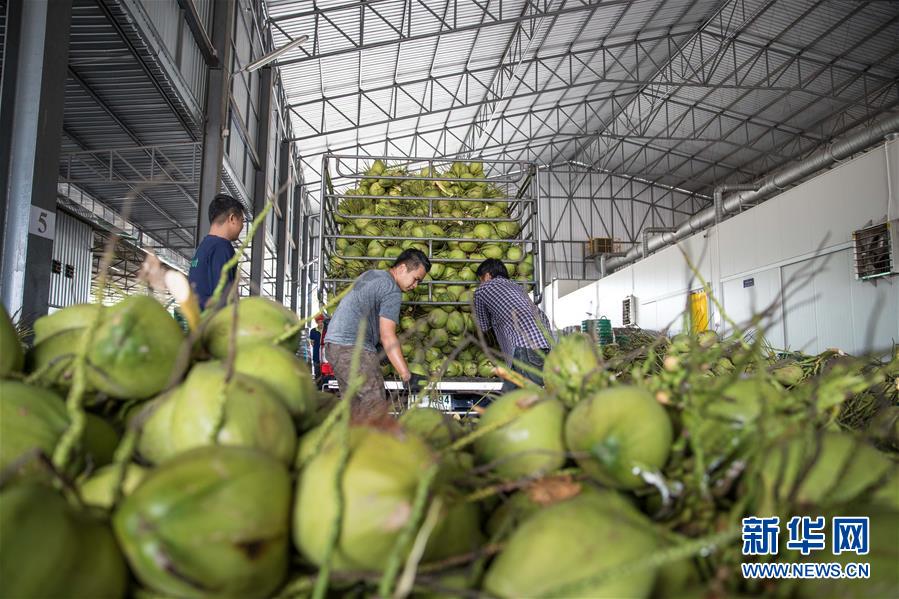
[516, 179]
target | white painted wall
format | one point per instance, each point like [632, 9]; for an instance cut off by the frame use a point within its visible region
[797, 249]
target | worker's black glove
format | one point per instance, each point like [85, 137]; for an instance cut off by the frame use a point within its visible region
[416, 383]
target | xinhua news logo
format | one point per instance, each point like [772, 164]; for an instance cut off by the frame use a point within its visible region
[807, 535]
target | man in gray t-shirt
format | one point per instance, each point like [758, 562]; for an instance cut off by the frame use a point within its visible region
[375, 301]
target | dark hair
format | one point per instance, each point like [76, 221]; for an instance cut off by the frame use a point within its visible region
[222, 207]
[413, 258]
[492, 267]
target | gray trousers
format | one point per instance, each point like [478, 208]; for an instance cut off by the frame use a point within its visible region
[533, 358]
[370, 401]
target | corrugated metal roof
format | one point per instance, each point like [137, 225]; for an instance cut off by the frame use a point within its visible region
[710, 90]
[117, 95]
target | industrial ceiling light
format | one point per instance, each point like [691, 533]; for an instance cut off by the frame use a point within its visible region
[274, 54]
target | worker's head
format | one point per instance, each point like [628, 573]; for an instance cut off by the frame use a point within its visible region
[320, 320]
[226, 217]
[490, 269]
[410, 269]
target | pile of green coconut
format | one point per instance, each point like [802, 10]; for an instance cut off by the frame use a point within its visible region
[141, 461]
[458, 218]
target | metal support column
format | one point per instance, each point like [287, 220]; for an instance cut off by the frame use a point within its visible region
[260, 188]
[217, 95]
[298, 263]
[303, 258]
[287, 216]
[7, 100]
[35, 82]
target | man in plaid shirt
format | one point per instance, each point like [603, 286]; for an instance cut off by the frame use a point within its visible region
[521, 328]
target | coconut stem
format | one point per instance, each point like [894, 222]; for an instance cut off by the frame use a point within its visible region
[37, 376]
[512, 485]
[408, 532]
[407, 579]
[343, 420]
[121, 459]
[62, 453]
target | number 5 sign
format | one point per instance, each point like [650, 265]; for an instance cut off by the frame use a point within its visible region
[43, 222]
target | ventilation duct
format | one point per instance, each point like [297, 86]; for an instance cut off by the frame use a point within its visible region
[770, 184]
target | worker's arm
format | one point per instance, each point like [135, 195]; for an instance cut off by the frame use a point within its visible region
[393, 348]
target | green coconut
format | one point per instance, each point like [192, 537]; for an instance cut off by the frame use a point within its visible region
[507, 229]
[30, 418]
[525, 270]
[722, 421]
[570, 541]
[378, 489]
[11, 356]
[135, 350]
[833, 468]
[408, 323]
[258, 320]
[485, 369]
[624, 431]
[438, 337]
[53, 357]
[458, 531]
[98, 489]
[432, 354]
[788, 375]
[483, 231]
[208, 409]
[511, 513]
[455, 323]
[307, 445]
[492, 250]
[51, 549]
[99, 440]
[76, 316]
[514, 253]
[566, 368]
[468, 274]
[282, 372]
[437, 319]
[435, 427]
[453, 369]
[531, 443]
[211, 522]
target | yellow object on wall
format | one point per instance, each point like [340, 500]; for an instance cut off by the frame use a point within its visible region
[699, 311]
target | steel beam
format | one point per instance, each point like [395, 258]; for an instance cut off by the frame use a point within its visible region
[198, 30]
[298, 255]
[39, 77]
[12, 39]
[217, 101]
[260, 188]
[490, 16]
[285, 193]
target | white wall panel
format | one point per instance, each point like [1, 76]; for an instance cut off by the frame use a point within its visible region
[874, 316]
[744, 299]
[796, 248]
